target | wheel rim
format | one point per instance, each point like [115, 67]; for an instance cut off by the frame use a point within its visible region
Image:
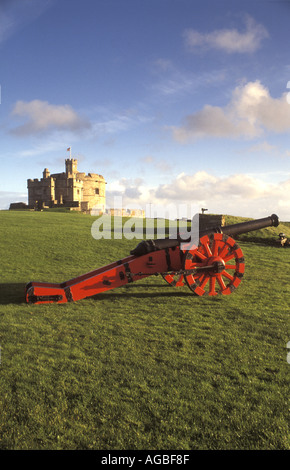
[175, 280]
[218, 266]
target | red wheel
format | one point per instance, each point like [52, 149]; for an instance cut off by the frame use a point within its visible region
[217, 265]
[175, 280]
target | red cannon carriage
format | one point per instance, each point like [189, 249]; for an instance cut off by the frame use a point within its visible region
[215, 266]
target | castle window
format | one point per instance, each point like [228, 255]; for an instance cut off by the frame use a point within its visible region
[97, 191]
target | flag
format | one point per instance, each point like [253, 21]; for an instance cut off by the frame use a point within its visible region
[68, 149]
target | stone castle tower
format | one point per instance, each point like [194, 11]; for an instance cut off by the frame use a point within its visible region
[71, 165]
[68, 189]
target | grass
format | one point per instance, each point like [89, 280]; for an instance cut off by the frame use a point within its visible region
[145, 366]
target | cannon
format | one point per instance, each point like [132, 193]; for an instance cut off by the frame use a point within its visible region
[216, 266]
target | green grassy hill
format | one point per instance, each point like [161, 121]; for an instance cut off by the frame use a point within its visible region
[145, 366]
[269, 235]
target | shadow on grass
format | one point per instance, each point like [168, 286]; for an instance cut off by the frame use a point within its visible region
[12, 293]
[143, 291]
[140, 295]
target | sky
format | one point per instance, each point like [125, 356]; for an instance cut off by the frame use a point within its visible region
[172, 101]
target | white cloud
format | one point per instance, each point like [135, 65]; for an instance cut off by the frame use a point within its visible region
[229, 40]
[204, 186]
[250, 112]
[42, 116]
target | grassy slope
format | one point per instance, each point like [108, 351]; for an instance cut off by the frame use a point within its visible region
[267, 235]
[146, 366]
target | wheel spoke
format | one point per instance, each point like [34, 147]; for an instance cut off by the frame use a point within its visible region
[212, 286]
[201, 255]
[224, 251]
[230, 266]
[221, 282]
[228, 275]
[207, 249]
[229, 257]
[204, 282]
[215, 249]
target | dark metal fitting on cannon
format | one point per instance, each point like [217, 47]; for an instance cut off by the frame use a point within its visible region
[275, 220]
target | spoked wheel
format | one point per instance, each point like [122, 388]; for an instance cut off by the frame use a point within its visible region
[174, 279]
[215, 267]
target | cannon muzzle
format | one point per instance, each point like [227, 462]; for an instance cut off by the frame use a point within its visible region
[147, 246]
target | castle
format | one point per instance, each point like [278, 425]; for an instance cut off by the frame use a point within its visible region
[71, 188]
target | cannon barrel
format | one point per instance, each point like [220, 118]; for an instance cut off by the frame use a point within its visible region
[251, 225]
[147, 246]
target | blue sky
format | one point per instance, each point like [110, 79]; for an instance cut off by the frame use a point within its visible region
[172, 101]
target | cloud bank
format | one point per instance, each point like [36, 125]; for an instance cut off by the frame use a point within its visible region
[236, 194]
[250, 112]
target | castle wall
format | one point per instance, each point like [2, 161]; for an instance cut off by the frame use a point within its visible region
[40, 192]
[94, 190]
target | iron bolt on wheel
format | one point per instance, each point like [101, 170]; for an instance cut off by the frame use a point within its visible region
[174, 279]
[215, 267]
